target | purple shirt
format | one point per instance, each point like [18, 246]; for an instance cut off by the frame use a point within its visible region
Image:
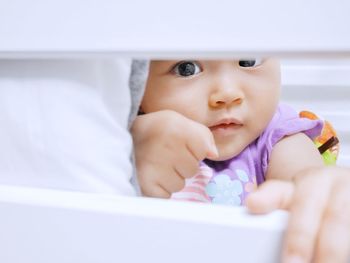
[232, 180]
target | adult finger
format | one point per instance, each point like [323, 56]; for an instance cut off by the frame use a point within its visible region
[271, 195]
[334, 237]
[305, 216]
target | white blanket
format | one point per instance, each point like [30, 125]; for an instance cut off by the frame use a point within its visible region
[63, 125]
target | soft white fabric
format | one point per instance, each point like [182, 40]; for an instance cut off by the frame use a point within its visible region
[63, 124]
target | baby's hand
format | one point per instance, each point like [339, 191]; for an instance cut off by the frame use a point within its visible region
[168, 149]
[319, 205]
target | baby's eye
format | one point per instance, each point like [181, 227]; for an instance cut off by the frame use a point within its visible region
[248, 63]
[186, 68]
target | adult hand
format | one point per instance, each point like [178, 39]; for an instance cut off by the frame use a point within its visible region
[319, 203]
[168, 149]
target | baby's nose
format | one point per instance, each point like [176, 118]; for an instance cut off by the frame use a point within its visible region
[225, 97]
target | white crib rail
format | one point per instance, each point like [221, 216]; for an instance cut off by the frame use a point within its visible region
[183, 28]
[43, 226]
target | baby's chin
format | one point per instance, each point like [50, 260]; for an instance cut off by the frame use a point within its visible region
[225, 154]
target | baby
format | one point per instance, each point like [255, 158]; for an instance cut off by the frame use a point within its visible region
[237, 101]
[228, 114]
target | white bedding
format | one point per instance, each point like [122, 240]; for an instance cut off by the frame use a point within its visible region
[63, 125]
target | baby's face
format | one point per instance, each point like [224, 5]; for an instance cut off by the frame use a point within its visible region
[234, 99]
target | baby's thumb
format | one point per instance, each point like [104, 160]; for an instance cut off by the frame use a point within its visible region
[271, 195]
[213, 152]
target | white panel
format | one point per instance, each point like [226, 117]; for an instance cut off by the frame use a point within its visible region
[64, 227]
[162, 29]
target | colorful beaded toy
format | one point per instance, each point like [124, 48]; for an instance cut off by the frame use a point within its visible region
[327, 142]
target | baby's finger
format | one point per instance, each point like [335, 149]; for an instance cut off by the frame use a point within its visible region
[305, 217]
[159, 181]
[154, 190]
[271, 195]
[185, 164]
[172, 181]
[201, 143]
[334, 238]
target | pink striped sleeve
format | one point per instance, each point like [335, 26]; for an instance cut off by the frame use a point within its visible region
[194, 189]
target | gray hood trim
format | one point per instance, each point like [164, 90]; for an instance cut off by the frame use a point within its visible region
[137, 84]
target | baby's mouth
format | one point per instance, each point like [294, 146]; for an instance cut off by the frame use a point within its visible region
[225, 126]
[225, 122]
